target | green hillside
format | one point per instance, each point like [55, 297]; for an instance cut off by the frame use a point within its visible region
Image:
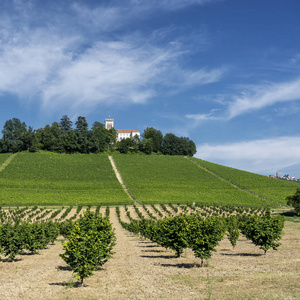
[177, 179]
[267, 187]
[46, 178]
[3, 157]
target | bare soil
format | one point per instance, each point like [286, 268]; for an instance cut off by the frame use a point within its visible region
[142, 270]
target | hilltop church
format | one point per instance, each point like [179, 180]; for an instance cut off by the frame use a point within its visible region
[122, 133]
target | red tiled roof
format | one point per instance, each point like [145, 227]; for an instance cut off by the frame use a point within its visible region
[126, 130]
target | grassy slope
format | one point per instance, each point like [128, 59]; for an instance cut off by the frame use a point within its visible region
[176, 179]
[60, 179]
[271, 188]
[4, 157]
[49, 178]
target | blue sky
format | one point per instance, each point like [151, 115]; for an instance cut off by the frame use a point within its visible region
[225, 73]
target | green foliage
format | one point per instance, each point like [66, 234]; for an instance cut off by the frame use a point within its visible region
[11, 240]
[180, 232]
[263, 186]
[264, 232]
[16, 136]
[294, 201]
[154, 139]
[147, 145]
[4, 157]
[173, 233]
[173, 145]
[124, 144]
[79, 252]
[89, 245]
[233, 231]
[51, 178]
[174, 179]
[19, 236]
[205, 235]
[202, 231]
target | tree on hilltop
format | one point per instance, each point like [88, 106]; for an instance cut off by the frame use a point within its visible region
[156, 136]
[14, 132]
[294, 201]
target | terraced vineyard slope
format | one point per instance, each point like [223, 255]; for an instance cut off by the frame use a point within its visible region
[46, 178]
[175, 179]
[270, 188]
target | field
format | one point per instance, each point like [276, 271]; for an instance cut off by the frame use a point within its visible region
[3, 158]
[51, 179]
[141, 269]
[270, 188]
[169, 179]
[60, 179]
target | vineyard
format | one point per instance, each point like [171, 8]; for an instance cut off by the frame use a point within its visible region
[176, 244]
[192, 230]
[49, 179]
[168, 179]
[269, 188]
[46, 178]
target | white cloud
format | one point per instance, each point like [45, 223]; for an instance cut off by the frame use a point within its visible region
[253, 98]
[171, 4]
[259, 156]
[27, 65]
[263, 96]
[110, 72]
[102, 18]
[203, 117]
[75, 62]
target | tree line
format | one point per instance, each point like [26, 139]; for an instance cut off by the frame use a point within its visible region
[62, 137]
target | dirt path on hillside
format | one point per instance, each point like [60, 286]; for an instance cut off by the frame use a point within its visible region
[142, 270]
[6, 163]
[119, 177]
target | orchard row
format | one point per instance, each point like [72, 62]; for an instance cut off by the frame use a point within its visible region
[202, 231]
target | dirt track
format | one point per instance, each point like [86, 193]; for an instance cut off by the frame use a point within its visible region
[142, 270]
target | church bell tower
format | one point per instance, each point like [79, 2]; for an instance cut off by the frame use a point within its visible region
[109, 123]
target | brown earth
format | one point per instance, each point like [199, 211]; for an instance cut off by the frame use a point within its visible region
[142, 270]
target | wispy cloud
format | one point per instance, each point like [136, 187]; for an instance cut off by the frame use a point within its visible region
[171, 4]
[253, 98]
[63, 67]
[260, 156]
[204, 117]
[264, 96]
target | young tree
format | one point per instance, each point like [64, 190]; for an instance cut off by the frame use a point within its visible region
[294, 201]
[174, 232]
[79, 253]
[264, 232]
[89, 245]
[205, 235]
[233, 231]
